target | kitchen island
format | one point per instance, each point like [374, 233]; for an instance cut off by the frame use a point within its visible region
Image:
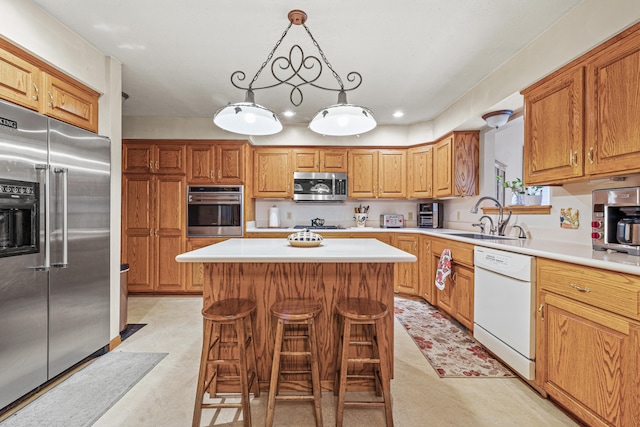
[268, 270]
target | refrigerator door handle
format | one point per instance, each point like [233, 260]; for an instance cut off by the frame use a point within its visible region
[44, 205]
[65, 217]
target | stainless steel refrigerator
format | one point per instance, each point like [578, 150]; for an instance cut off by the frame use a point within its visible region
[54, 248]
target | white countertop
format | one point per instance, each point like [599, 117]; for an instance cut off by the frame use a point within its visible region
[561, 251]
[279, 250]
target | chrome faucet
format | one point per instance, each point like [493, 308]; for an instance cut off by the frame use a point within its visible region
[502, 223]
[492, 228]
[522, 234]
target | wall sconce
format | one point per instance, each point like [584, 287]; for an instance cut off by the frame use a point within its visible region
[498, 118]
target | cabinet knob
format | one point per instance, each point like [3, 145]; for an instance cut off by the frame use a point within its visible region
[37, 95]
[50, 99]
[579, 288]
[210, 174]
[590, 155]
[541, 311]
[219, 174]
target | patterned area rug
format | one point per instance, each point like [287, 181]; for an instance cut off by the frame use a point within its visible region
[447, 346]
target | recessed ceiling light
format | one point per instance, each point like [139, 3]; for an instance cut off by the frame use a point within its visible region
[289, 113]
[398, 114]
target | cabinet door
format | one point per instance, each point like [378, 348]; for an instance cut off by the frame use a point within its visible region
[137, 228]
[462, 281]
[20, 81]
[169, 159]
[442, 171]
[272, 173]
[553, 134]
[587, 360]
[200, 163]
[613, 91]
[392, 173]
[305, 159]
[363, 173]
[230, 163]
[137, 158]
[333, 160]
[195, 270]
[70, 103]
[427, 273]
[169, 209]
[406, 275]
[420, 172]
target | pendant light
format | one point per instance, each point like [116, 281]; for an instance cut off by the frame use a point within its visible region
[296, 71]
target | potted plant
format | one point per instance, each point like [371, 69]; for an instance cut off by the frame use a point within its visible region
[533, 196]
[517, 190]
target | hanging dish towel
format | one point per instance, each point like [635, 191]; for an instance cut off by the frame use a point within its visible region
[444, 268]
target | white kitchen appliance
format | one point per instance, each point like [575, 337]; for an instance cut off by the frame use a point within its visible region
[504, 307]
[392, 221]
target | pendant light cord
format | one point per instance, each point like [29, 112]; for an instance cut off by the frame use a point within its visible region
[324, 58]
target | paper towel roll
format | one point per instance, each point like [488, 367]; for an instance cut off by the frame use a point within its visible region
[274, 216]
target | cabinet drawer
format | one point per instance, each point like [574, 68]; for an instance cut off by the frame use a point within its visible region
[461, 253]
[612, 291]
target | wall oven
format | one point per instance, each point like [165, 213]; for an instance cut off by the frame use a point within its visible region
[215, 211]
[19, 228]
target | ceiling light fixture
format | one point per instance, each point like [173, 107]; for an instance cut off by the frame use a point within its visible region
[495, 119]
[341, 119]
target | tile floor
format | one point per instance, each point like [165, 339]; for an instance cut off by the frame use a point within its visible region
[164, 397]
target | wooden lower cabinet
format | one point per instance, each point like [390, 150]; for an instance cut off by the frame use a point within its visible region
[456, 298]
[407, 275]
[427, 272]
[195, 271]
[587, 356]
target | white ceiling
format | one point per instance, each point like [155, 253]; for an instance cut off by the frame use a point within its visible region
[417, 56]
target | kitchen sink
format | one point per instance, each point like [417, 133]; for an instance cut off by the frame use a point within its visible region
[481, 236]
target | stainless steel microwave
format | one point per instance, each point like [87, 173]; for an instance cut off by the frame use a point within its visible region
[319, 186]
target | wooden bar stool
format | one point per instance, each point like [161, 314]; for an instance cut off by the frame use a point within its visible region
[295, 312]
[360, 311]
[224, 356]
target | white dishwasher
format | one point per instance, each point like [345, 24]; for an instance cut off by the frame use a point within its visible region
[504, 307]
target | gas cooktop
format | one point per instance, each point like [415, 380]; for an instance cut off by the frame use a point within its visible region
[319, 227]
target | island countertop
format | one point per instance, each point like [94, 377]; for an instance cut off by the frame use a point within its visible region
[239, 250]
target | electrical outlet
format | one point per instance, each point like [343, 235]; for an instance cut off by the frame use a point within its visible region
[458, 215]
[410, 216]
[289, 215]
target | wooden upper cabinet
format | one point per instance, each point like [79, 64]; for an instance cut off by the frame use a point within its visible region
[70, 102]
[20, 80]
[392, 173]
[455, 165]
[31, 83]
[420, 172]
[363, 173]
[377, 173]
[272, 175]
[553, 136]
[140, 156]
[319, 160]
[215, 163]
[613, 94]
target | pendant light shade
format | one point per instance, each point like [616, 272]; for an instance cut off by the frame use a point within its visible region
[296, 71]
[343, 119]
[247, 118]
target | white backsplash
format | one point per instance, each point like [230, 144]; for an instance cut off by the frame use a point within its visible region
[335, 213]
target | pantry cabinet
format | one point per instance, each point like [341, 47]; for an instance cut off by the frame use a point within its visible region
[31, 83]
[144, 156]
[377, 173]
[420, 172]
[215, 162]
[582, 120]
[455, 165]
[456, 298]
[587, 341]
[153, 220]
[319, 160]
[272, 173]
